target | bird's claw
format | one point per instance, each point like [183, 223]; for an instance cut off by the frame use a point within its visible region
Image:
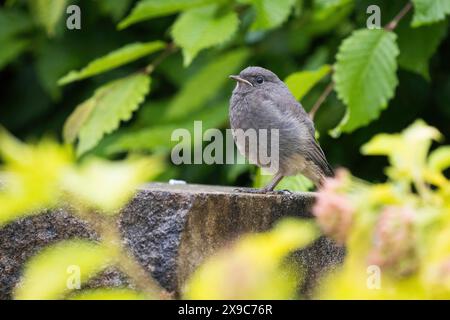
[262, 191]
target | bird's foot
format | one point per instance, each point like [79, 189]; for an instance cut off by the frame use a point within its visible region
[263, 191]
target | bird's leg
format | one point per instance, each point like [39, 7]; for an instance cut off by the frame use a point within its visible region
[272, 184]
[266, 189]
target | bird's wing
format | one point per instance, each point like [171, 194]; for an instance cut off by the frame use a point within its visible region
[310, 148]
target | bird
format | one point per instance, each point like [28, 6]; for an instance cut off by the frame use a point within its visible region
[261, 100]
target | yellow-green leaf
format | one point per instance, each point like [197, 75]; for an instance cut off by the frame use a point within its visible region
[300, 83]
[117, 58]
[439, 159]
[60, 268]
[108, 294]
[429, 11]
[270, 14]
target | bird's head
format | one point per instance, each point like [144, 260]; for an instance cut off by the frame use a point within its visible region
[253, 78]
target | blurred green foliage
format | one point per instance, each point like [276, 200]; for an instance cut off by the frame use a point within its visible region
[147, 67]
[297, 39]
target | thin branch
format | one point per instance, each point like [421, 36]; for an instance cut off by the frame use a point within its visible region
[393, 24]
[389, 27]
[321, 99]
[170, 48]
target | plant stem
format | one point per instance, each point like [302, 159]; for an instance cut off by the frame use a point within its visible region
[321, 99]
[393, 24]
[170, 48]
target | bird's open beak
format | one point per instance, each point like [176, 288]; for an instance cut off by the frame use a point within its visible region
[239, 79]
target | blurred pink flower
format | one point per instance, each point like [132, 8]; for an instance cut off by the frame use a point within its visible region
[332, 209]
[394, 242]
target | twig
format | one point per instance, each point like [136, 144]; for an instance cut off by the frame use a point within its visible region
[393, 24]
[321, 99]
[389, 27]
[170, 48]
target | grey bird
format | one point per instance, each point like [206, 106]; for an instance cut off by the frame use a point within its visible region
[261, 100]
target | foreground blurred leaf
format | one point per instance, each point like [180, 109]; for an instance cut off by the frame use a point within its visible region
[148, 9]
[413, 55]
[407, 151]
[439, 159]
[429, 11]
[101, 114]
[201, 28]
[270, 14]
[108, 294]
[47, 13]
[30, 176]
[300, 83]
[113, 60]
[214, 75]
[254, 268]
[365, 76]
[109, 185]
[50, 273]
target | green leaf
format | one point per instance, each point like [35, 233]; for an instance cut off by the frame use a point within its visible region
[429, 11]
[201, 28]
[113, 103]
[52, 272]
[414, 56]
[148, 9]
[270, 14]
[158, 138]
[117, 58]
[10, 49]
[47, 13]
[108, 294]
[13, 23]
[77, 119]
[300, 83]
[205, 84]
[115, 8]
[439, 159]
[365, 76]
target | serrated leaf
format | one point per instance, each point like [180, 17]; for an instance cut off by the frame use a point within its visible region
[270, 14]
[148, 9]
[48, 274]
[114, 102]
[77, 119]
[158, 138]
[117, 58]
[195, 93]
[414, 56]
[429, 11]
[47, 13]
[300, 83]
[365, 76]
[201, 28]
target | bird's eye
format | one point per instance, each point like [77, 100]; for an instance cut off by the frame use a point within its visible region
[259, 79]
